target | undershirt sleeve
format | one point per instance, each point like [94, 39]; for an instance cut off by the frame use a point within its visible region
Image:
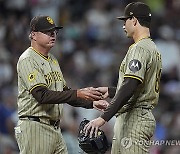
[45, 96]
[125, 92]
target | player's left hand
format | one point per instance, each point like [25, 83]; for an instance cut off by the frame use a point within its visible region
[100, 105]
[93, 126]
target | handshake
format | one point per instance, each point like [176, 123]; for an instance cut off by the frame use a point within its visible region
[97, 95]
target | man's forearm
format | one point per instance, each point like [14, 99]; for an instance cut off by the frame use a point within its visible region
[111, 91]
[121, 98]
[45, 96]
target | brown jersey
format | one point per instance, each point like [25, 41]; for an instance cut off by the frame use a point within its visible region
[35, 70]
[142, 62]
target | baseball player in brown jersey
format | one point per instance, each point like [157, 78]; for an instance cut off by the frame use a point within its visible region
[137, 91]
[42, 92]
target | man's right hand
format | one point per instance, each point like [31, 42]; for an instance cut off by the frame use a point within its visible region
[89, 93]
[104, 91]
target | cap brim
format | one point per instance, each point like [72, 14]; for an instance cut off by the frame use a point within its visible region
[121, 18]
[60, 27]
[52, 28]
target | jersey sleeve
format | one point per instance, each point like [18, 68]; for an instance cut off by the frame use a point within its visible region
[137, 62]
[31, 74]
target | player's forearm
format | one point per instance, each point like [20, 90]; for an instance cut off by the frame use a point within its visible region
[121, 98]
[111, 91]
[45, 96]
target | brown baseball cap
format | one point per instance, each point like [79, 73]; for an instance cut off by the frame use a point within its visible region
[136, 9]
[43, 23]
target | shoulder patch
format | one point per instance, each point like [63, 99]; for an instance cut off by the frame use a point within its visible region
[135, 65]
[32, 76]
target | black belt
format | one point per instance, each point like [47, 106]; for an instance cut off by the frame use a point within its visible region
[55, 123]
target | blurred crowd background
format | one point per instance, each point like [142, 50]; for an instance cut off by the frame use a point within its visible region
[90, 49]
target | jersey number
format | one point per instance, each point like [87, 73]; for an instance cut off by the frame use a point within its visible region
[157, 84]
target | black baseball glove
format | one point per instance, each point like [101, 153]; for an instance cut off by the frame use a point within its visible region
[94, 145]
